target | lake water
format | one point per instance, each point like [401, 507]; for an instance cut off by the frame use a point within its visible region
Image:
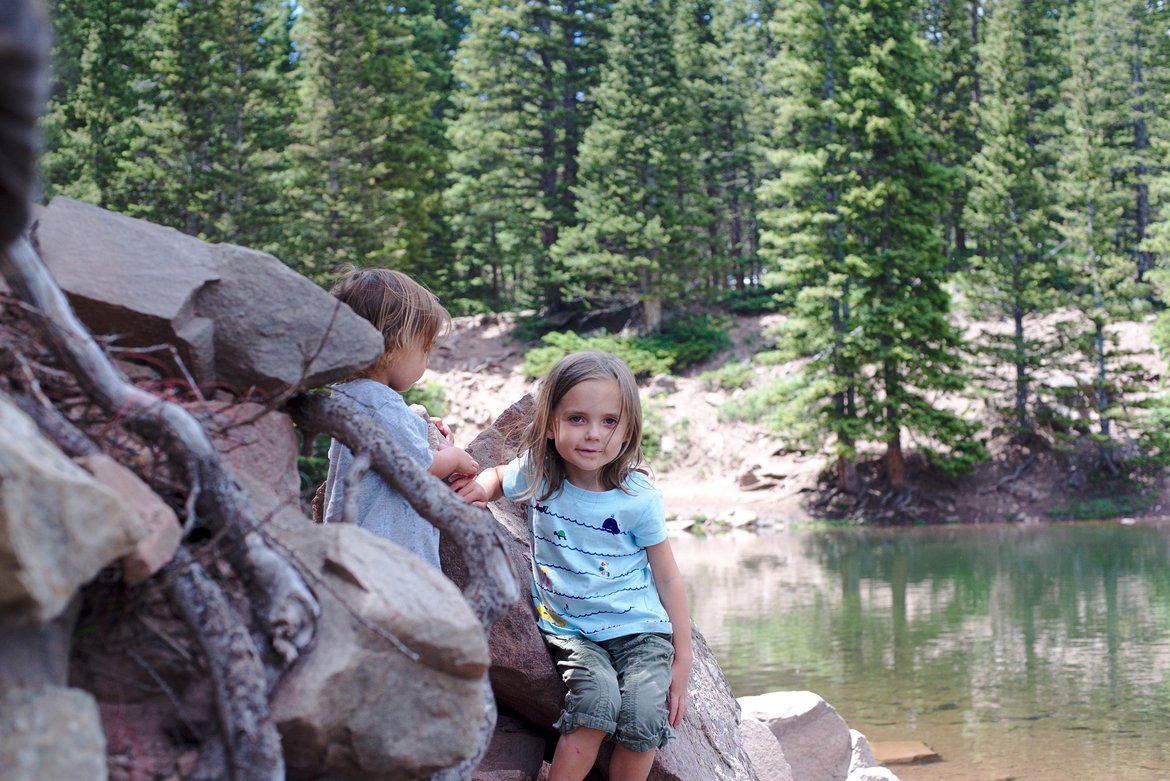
[1016, 652]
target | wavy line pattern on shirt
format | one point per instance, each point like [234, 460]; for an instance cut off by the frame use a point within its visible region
[594, 573]
[599, 613]
[545, 511]
[601, 554]
[614, 626]
[592, 596]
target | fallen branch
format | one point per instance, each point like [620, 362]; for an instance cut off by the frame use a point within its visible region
[492, 586]
[286, 607]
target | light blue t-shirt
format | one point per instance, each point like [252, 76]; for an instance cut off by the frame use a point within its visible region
[590, 572]
[381, 509]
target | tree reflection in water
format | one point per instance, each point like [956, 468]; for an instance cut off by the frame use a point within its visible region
[1036, 652]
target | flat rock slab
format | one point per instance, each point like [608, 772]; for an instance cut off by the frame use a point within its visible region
[903, 752]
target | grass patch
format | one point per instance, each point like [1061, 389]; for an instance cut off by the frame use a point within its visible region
[1100, 508]
[429, 394]
[730, 377]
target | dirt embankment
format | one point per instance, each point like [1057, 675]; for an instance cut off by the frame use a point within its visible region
[710, 467]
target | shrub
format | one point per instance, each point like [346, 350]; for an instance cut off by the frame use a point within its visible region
[643, 362]
[690, 339]
[431, 396]
[677, 345]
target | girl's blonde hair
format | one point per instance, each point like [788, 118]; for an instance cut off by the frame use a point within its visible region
[547, 471]
[404, 311]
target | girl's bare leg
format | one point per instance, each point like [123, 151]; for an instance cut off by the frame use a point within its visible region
[576, 752]
[626, 765]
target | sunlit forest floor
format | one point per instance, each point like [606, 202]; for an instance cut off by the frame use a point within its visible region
[709, 466]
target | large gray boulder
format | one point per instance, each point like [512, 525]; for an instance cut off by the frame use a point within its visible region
[766, 753]
[392, 689]
[525, 681]
[50, 732]
[238, 318]
[816, 740]
[58, 526]
[162, 532]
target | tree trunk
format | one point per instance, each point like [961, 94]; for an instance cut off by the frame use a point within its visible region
[895, 464]
[847, 479]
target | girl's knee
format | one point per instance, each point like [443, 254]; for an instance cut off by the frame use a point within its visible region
[593, 702]
[642, 725]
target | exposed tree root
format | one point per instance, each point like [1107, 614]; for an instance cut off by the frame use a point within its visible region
[250, 745]
[1015, 475]
[287, 608]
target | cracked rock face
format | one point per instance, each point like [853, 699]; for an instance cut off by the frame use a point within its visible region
[237, 318]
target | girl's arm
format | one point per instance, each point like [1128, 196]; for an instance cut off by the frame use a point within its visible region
[668, 581]
[488, 486]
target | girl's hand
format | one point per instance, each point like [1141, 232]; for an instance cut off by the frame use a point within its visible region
[677, 697]
[471, 491]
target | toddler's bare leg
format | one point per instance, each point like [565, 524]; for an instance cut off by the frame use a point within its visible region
[626, 765]
[576, 752]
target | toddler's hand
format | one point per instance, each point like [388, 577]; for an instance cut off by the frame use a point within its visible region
[444, 429]
[465, 464]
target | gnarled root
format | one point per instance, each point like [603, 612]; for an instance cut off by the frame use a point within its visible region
[287, 608]
[249, 749]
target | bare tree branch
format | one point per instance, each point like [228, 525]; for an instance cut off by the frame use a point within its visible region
[492, 586]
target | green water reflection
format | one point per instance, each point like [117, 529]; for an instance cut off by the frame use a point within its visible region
[1037, 652]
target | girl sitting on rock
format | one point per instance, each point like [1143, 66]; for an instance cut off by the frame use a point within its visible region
[608, 596]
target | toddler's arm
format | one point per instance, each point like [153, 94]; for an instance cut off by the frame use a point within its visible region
[668, 581]
[452, 461]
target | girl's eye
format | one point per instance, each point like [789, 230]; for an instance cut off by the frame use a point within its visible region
[611, 422]
[576, 419]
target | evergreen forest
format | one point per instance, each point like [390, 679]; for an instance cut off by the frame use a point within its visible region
[870, 169]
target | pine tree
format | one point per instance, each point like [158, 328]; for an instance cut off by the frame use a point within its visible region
[1012, 271]
[804, 234]
[1093, 201]
[101, 59]
[640, 208]
[854, 226]
[526, 75]
[721, 49]
[360, 156]
[436, 27]
[952, 29]
[207, 157]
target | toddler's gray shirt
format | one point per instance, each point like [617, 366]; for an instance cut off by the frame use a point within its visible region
[380, 508]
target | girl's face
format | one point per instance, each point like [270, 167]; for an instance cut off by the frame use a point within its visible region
[588, 431]
[404, 366]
